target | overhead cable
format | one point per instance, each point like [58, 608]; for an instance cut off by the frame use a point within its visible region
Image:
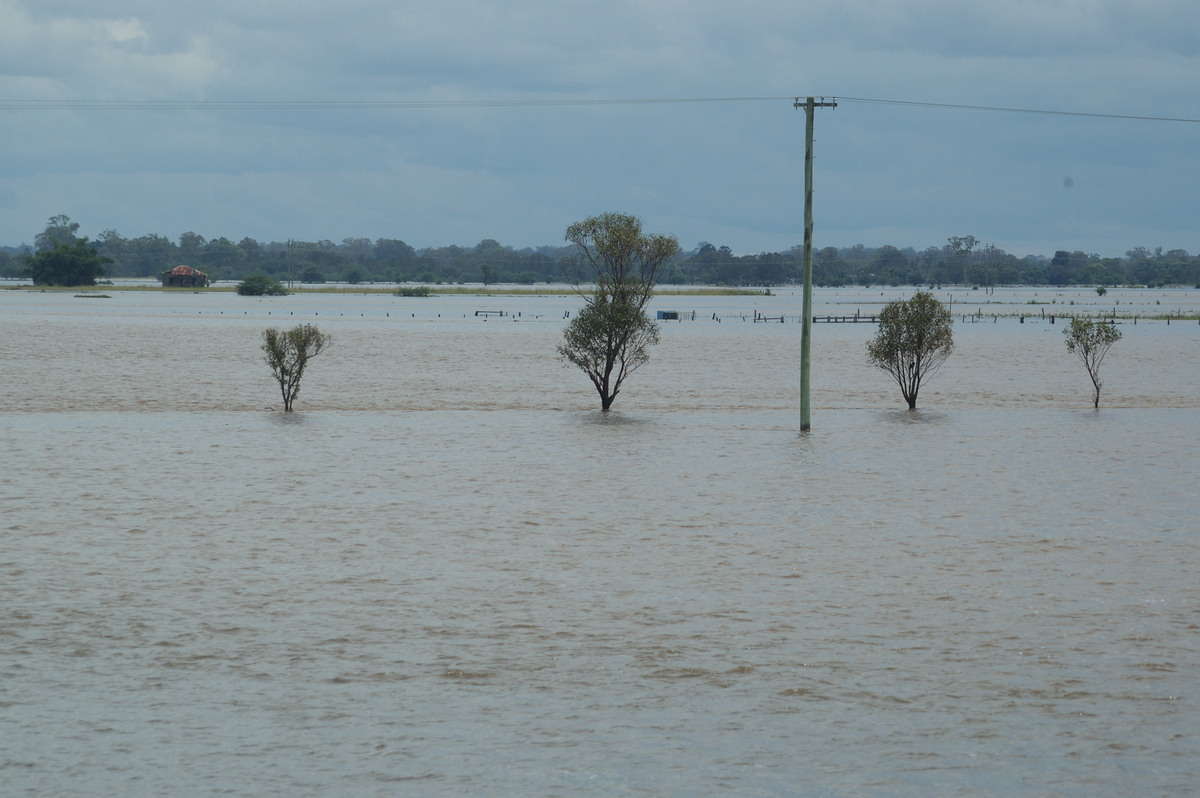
[348, 105]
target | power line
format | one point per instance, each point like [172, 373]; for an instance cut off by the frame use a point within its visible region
[340, 105]
[1002, 109]
[350, 105]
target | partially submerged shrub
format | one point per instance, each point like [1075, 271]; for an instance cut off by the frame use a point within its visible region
[261, 285]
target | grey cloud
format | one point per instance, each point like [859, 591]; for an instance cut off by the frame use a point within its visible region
[726, 173]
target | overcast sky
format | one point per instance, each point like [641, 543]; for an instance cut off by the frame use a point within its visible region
[729, 172]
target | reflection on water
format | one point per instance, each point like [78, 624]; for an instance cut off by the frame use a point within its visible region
[287, 419]
[449, 574]
[917, 416]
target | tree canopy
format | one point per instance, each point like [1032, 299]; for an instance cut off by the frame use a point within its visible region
[287, 352]
[608, 339]
[1090, 340]
[914, 339]
[961, 260]
[59, 230]
[626, 261]
[66, 263]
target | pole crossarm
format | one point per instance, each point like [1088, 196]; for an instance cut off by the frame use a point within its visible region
[824, 102]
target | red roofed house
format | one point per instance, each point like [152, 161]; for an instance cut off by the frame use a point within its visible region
[184, 277]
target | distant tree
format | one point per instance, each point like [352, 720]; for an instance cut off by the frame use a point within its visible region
[111, 244]
[1101, 290]
[190, 245]
[770, 268]
[75, 263]
[261, 285]
[250, 248]
[609, 337]
[963, 244]
[953, 266]
[111, 241]
[287, 352]
[889, 267]
[151, 253]
[914, 339]
[59, 230]
[828, 268]
[1034, 270]
[358, 249]
[1090, 341]
[221, 253]
[393, 249]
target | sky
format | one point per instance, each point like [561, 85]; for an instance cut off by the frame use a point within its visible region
[463, 120]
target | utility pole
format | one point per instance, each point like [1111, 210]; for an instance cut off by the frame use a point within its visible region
[809, 106]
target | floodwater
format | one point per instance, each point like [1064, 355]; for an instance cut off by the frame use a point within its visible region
[449, 574]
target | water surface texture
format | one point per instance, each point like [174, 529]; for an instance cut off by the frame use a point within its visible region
[449, 574]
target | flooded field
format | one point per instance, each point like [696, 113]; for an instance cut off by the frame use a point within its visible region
[449, 574]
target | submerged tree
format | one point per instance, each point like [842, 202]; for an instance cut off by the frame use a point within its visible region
[609, 337]
[75, 263]
[261, 285]
[913, 341]
[1090, 341]
[287, 352]
[608, 340]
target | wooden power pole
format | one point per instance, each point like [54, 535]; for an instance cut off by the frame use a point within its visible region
[809, 105]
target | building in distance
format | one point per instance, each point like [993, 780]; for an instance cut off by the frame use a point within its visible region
[184, 277]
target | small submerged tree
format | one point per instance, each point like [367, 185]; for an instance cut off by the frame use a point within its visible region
[1090, 341]
[609, 337]
[287, 352]
[261, 285]
[609, 340]
[914, 339]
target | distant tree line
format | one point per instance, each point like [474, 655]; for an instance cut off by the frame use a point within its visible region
[960, 261]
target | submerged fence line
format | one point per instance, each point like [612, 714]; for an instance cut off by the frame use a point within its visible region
[753, 317]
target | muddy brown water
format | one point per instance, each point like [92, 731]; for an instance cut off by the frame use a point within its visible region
[448, 574]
